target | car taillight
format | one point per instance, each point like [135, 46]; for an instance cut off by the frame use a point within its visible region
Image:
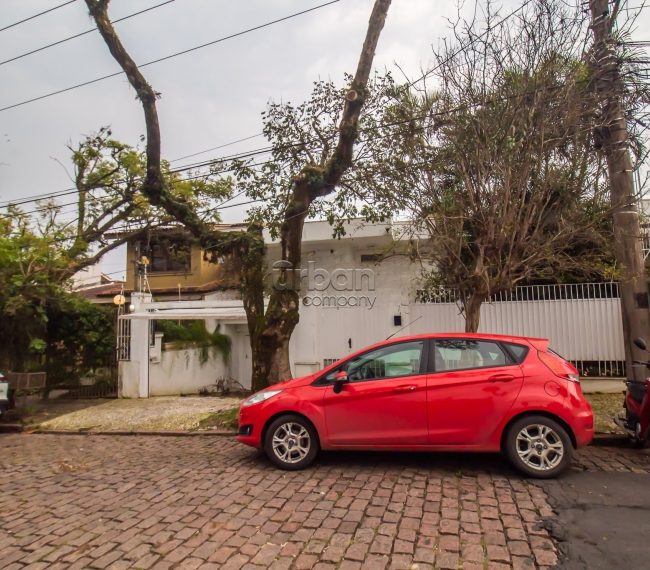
[559, 367]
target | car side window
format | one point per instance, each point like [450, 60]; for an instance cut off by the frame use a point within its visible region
[463, 354]
[393, 361]
[518, 351]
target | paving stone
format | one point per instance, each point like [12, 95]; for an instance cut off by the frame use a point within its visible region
[205, 502]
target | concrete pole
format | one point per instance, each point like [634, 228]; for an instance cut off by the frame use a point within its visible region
[612, 134]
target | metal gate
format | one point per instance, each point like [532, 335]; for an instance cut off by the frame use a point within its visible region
[582, 321]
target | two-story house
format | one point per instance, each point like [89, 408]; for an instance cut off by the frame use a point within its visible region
[354, 291]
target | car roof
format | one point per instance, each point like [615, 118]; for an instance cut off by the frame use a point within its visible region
[484, 336]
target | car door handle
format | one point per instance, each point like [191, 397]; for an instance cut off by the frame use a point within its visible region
[501, 378]
[405, 388]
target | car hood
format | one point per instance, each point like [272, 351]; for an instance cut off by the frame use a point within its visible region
[294, 382]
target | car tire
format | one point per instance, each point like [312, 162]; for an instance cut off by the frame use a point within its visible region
[291, 442]
[539, 447]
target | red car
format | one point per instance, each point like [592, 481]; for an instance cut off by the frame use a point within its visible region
[435, 392]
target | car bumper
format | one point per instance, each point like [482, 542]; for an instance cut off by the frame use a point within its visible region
[250, 428]
[583, 428]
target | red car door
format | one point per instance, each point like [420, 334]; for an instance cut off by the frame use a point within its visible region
[473, 385]
[384, 402]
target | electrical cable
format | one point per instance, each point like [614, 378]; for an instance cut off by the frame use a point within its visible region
[75, 36]
[170, 56]
[37, 15]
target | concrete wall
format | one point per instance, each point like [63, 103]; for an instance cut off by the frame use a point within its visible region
[334, 323]
[181, 372]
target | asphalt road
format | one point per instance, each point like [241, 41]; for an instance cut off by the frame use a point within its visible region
[603, 519]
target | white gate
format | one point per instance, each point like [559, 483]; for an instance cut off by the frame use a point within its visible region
[582, 321]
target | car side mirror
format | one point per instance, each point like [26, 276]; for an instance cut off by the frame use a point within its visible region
[640, 343]
[340, 378]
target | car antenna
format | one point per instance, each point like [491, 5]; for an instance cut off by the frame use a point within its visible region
[406, 325]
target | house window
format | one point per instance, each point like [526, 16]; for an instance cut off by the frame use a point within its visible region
[370, 258]
[167, 256]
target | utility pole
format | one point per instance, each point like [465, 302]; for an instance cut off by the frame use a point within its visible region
[612, 137]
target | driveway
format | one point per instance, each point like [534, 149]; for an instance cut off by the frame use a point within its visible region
[80, 501]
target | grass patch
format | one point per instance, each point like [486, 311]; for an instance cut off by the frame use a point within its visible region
[227, 419]
[606, 407]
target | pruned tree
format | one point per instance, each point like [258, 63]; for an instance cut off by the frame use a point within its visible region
[108, 177]
[495, 161]
[40, 251]
[271, 327]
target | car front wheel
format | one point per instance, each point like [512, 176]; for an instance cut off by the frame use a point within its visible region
[291, 442]
[539, 447]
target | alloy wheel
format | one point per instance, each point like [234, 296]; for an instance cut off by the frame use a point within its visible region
[291, 442]
[539, 447]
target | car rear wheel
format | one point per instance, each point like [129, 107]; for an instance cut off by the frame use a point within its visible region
[291, 442]
[539, 447]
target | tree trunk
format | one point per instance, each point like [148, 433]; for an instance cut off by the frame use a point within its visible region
[472, 308]
[612, 136]
[315, 182]
[269, 331]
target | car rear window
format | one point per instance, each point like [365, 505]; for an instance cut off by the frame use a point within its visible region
[518, 351]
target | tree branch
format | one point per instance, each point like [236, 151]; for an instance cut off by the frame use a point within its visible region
[154, 185]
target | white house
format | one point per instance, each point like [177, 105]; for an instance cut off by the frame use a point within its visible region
[355, 291]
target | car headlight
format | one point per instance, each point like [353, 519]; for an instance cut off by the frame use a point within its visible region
[260, 397]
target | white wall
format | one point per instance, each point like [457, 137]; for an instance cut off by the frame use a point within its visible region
[181, 372]
[327, 331]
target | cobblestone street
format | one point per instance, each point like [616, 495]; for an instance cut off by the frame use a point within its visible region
[208, 502]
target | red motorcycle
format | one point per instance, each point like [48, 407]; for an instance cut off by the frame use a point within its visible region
[637, 403]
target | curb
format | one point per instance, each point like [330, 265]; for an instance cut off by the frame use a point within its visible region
[11, 428]
[138, 433]
[610, 439]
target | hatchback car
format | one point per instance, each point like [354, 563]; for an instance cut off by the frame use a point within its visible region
[442, 392]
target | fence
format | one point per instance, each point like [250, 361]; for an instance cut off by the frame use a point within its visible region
[27, 382]
[582, 321]
[123, 339]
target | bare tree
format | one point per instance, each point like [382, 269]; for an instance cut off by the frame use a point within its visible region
[495, 162]
[271, 328]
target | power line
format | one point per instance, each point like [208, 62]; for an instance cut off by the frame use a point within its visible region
[471, 42]
[170, 56]
[68, 191]
[196, 165]
[75, 191]
[216, 147]
[37, 15]
[267, 149]
[270, 148]
[75, 36]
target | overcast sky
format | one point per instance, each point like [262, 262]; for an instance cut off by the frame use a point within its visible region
[209, 97]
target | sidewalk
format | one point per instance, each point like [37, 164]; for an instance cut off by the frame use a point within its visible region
[160, 414]
[602, 385]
